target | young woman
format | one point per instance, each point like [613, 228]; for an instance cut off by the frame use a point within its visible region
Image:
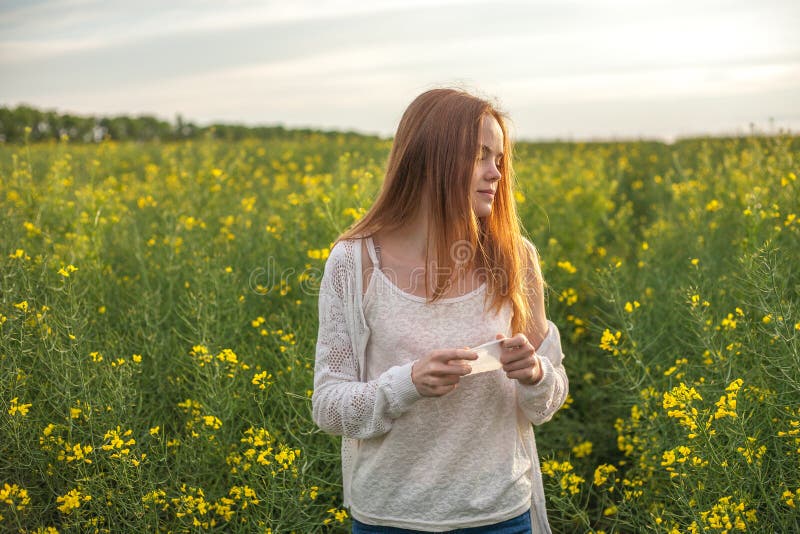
[436, 266]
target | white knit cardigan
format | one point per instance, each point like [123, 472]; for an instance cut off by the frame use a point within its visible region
[345, 404]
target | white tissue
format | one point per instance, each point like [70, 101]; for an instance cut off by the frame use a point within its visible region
[488, 357]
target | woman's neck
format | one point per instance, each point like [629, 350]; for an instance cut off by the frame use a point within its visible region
[411, 240]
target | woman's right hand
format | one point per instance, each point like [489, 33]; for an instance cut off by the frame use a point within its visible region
[438, 372]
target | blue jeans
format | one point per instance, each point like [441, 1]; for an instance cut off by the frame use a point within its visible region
[517, 525]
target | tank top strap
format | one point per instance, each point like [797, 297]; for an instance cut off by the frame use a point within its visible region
[373, 255]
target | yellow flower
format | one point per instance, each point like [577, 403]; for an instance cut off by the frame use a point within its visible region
[356, 214]
[629, 307]
[677, 402]
[750, 453]
[679, 396]
[787, 497]
[567, 266]
[21, 409]
[727, 515]
[570, 482]
[551, 467]
[19, 254]
[76, 453]
[609, 341]
[726, 405]
[145, 201]
[582, 450]
[155, 497]
[319, 254]
[678, 363]
[117, 443]
[248, 204]
[14, 496]
[602, 473]
[262, 380]
[72, 500]
[729, 323]
[569, 295]
[286, 456]
[212, 421]
[65, 271]
[338, 515]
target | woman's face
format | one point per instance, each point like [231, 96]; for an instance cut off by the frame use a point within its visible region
[486, 173]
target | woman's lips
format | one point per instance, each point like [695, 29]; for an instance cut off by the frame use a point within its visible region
[489, 194]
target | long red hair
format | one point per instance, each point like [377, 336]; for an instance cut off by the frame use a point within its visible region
[433, 157]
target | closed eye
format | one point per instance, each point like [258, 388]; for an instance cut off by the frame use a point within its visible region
[485, 151]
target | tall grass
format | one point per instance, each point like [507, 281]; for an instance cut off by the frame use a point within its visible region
[158, 323]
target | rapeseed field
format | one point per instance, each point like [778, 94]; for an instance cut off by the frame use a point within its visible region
[158, 322]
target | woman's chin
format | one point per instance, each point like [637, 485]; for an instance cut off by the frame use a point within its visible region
[482, 211]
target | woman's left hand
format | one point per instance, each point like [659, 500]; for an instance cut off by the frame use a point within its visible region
[519, 359]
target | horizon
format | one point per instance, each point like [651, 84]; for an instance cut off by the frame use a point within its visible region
[188, 120]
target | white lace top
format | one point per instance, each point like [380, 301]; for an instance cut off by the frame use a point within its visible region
[465, 459]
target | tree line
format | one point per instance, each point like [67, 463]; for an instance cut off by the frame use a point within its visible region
[27, 124]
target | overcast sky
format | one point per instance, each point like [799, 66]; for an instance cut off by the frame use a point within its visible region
[569, 69]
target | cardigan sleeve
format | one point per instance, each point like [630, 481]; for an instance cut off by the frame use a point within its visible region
[542, 400]
[341, 403]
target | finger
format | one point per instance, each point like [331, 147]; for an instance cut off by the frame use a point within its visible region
[453, 368]
[441, 380]
[522, 363]
[456, 354]
[509, 356]
[516, 340]
[499, 336]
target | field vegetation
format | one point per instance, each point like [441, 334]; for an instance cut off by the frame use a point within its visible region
[158, 320]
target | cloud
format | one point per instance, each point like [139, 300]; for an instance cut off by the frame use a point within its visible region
[91, 24]
[356, 65]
